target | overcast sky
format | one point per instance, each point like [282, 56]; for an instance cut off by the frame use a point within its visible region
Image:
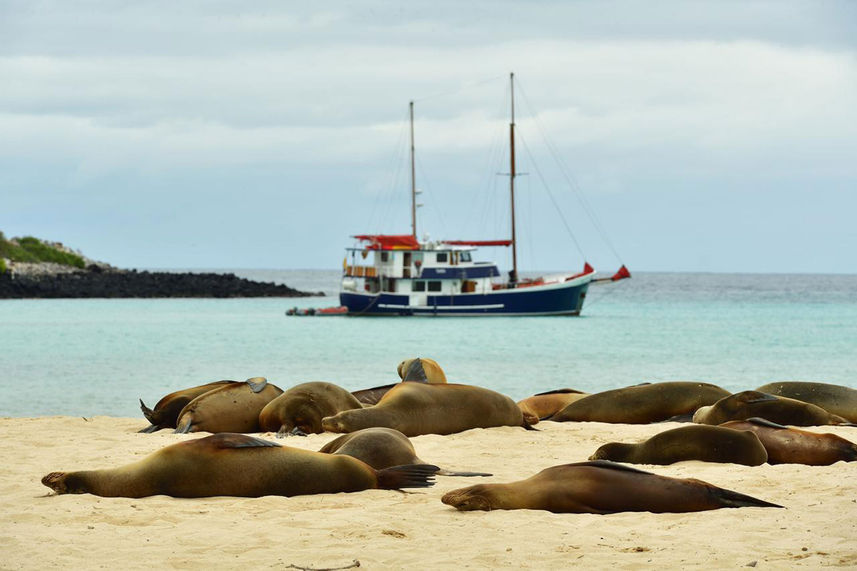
[704, 136]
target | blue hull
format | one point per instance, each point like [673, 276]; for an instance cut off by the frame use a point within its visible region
[534, 300]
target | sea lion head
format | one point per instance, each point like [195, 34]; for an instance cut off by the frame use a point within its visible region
[478, 497]
[700, 414]
[615, 451]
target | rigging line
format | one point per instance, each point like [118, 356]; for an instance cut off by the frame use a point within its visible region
[385, 199]
[572, 183]
[460, 88]
[550, 194]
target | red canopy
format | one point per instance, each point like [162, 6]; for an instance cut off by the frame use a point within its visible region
[390, 241]
[478, 242]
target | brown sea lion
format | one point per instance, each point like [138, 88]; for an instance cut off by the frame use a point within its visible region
[782, 410]
[231, 408]
[299, 410]
[694, 442]
[642, 404]
[418, 408]
[544, 405]
[419, 369]
[600, 487]
[792, 446]
[228, 464]
[166, 412]
[382, 448]
[837, 399]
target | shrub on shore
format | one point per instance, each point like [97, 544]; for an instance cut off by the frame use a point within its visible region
[33, 250]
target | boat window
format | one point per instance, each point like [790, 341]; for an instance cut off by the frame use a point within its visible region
[385, 256]
[465, 256]
[419, 285]
[441, 257]
[434, 286]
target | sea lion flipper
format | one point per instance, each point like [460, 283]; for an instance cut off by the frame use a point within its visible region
[462, 474]
[408, 476]
[256, 384]
[234, 440]
[184, 426]
[564, 391]
[609, 465]
[415, 372]
[756, 397]
[149, 429]
[147, 412]
[765, 422]
[730, 499]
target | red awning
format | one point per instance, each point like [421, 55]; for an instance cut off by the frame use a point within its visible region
[478, 242]
[390, 241]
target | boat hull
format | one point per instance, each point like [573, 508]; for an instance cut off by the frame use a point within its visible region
[554, 299]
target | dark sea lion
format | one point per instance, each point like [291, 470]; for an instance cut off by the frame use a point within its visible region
[373, 395]
[236, 465]
[300, 409]
[418, 370]
[166, 412]
[792, 446]
[782, 410]
[600, 487]
[382, 448]
[544, 405]
[642, 404]
[231, 408]
[837, 399]
[418, 408]
[695, 442]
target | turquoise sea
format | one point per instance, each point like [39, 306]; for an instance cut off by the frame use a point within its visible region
[97, 357]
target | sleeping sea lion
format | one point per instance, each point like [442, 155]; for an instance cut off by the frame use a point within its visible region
[544, 405]
[792, 446]
[600, 487]
[231, 408]
[382, 448]
[694, 442]
[782, 410]
[832, 398]
[299, 410]
[418, 408]
[419, 369]
[228, 464]
[167, 410]
[642, 404]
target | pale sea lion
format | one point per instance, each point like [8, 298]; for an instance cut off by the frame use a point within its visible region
[792, 446]
[417, 408]
[694, 442]
[228, 464]
[544, 405]
[419, 370]
[782, 410]
[837, 399]
[382, 448]
[600, 487]
[299, 409]
[231, 408]
[166, 412]
[642, 404]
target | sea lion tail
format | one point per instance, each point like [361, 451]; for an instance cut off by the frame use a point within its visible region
[463, 474]
[730, 499]
[407, 476]
[147, 412]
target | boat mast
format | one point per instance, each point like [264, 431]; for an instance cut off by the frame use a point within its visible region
[513, 275]
[413, 180]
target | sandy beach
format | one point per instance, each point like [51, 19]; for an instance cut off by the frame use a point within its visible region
[389, 529]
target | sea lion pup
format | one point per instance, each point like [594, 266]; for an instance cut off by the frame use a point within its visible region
[166, 412]
[418, 370]
[695, 442]
[418, 408]
[544, 405]
[228, 464]
[642, 404]
[231, 408]
[299, 410]
[600, 487]
[792, 446]
[836, 399]
[382, 448]
[782, 410]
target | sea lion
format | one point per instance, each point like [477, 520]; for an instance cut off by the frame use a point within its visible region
[642, 404]
[837, 399]
[782, 410]
[600, 487]
[231, 408]
[419, 369]
[382, 448]
[371, 396]
[695, 442]
[167, 410]
[417, 408]
[299, 410]
[229, 464]
[792, 446]
[544, 405]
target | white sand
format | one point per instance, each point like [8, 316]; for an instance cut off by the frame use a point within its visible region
[389, 529]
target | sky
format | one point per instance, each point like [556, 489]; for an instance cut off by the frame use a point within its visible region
[669, 136]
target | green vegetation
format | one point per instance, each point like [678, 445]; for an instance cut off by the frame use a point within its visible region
[29, 249]
[2, 266]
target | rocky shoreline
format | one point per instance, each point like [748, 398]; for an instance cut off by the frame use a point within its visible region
[103, 281]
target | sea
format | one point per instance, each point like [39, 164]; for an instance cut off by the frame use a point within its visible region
[88, 357]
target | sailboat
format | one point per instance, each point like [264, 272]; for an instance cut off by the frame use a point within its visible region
[411, 277]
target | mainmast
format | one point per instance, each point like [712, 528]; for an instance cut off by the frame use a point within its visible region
[413, 180]
[513, 275]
